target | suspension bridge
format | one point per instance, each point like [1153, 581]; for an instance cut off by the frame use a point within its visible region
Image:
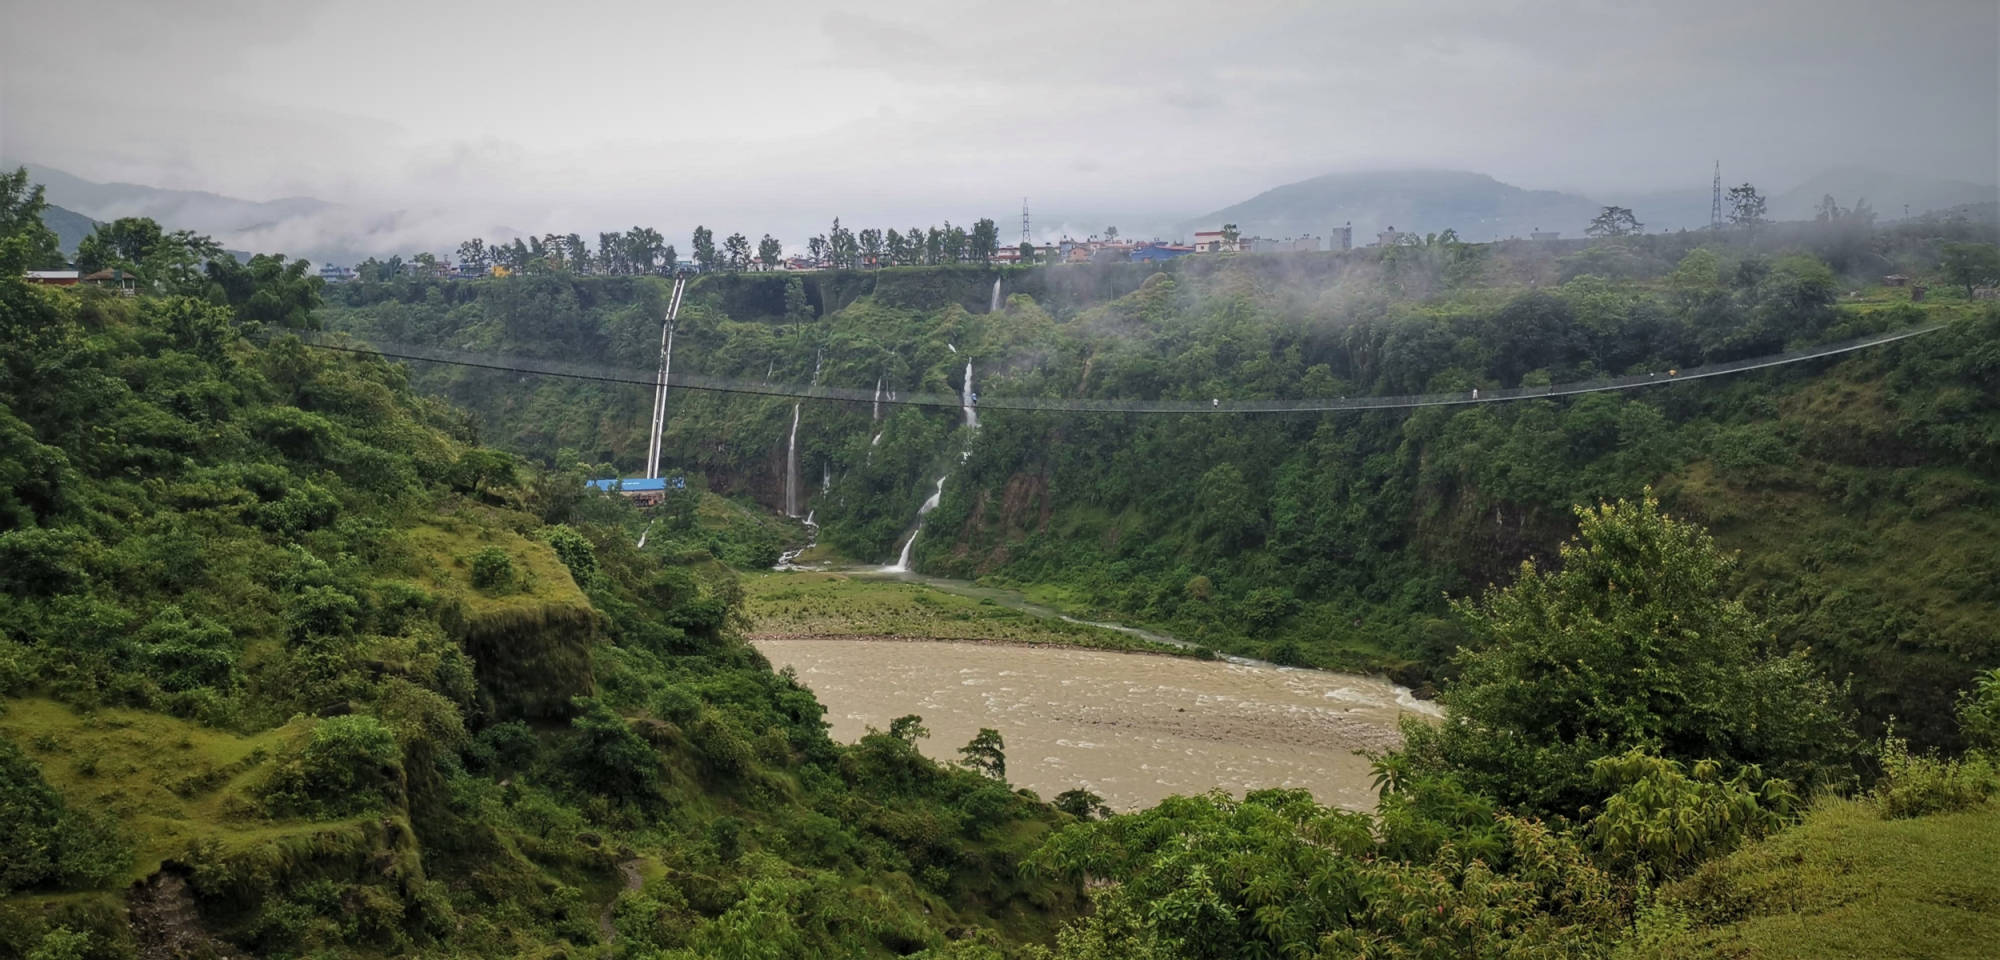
[663, 377]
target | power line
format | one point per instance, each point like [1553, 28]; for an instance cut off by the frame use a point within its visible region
[694, 381]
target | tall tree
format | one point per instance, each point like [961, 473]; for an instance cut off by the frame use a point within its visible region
[610, 254]
[841, 246]
[770, 251]
[472, 252]
[894, 247]
[1613, 222]
[705, 255]
[26, 243]
[578, 253]
[1746, 208]
[914, 245]
[986, 238]
[124, 242]
[954, 243]
[816, 250]
[871, 247]
[1632, 642]
[1230, 235]
[1970, 265]
[986, 753]
[736, 252]
[643, 246]
[172, 260]
[669, 258]
[1110, 234]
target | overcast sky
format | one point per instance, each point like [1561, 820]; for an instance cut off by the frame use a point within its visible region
[594, 114]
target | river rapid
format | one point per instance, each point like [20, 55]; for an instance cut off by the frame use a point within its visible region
[1133, 728]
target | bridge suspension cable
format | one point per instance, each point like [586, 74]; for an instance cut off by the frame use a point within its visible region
[661, 379]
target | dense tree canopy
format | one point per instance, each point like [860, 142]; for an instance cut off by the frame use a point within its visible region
[1628, 642]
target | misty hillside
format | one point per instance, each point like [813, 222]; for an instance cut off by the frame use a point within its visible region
[1887, 192]
[1476, 205]
[296, 226]
[208, 213]
[69, 225]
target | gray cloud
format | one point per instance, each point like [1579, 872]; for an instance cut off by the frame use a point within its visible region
[780, 115]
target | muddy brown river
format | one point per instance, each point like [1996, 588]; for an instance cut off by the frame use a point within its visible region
[1134, 728]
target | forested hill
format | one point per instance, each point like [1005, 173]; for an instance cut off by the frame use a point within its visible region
[289, 667]
[1861, 490]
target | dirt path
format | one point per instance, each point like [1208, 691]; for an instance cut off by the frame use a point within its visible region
[630, 870]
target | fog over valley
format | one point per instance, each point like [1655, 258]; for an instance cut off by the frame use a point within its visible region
[415, 128]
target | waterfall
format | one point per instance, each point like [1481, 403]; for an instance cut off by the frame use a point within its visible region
[792, 467]
[965, 399]
[902, 564]
[825, 482]
[792, 451]
[995, 306]
[878, 398]
[787, 559]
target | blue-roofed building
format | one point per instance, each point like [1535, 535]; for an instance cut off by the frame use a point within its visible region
[644, 491]
[1153, 253]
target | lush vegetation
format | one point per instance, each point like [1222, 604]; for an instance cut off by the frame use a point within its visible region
[1859, 489]
[279, 644]
[291, 665]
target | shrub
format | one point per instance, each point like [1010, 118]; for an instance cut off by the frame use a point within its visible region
[349, 765]
[606, 755]
[505, 746]
[1979, 711]
[322, 612]
[1913, 785]
[575, 551]
[1662, 821]
[186, 653]
[1082, 804]
[36, 561]
[48, 844]
[492, 570]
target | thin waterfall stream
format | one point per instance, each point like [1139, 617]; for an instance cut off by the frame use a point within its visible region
[967, 399]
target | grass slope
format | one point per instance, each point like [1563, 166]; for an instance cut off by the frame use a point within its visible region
[843, 604]
[1846, 883]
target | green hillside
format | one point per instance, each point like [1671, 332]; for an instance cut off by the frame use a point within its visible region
[284, 650]
[1860, 488]
[292, 665]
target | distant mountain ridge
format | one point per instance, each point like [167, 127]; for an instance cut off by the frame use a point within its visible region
[294, 226]
[1480, 207]
[1421, 201]
[210, 213]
